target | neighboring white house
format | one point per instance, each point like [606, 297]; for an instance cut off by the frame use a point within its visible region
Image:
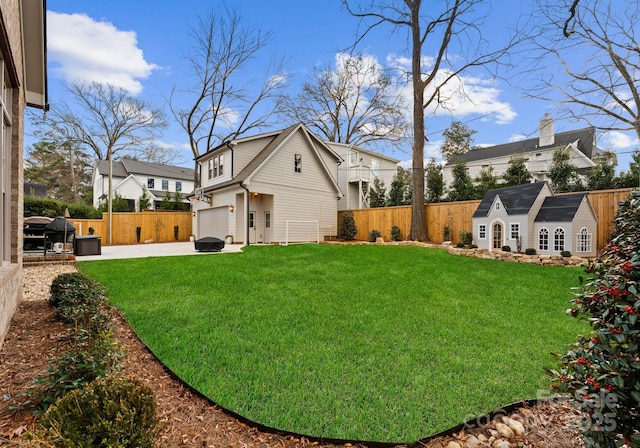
[531, 216]
[537, 152]
[357, 172]
[268, 188]
[131, 177]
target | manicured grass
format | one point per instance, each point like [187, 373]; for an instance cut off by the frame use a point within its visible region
[379, 343]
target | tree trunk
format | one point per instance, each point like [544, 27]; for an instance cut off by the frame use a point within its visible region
[418, 230]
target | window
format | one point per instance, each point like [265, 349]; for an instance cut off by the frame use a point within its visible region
[178, 185]
[375, 167]
[210, 168]
[297, 163]
[5, 169]
[584, 239]
[543, 239]
[165, 184]
[515, 231]
[497, 207]
[220, 164]
[482, 231]
[215, 167]
[151, 182]
[252, 220]
[558, 240]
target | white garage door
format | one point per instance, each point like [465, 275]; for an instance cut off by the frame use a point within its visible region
[213, 222]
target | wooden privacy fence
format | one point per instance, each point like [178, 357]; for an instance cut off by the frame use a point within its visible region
[158, 226]
[459, 216]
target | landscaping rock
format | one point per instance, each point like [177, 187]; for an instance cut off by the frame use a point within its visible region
[504, 430]
[500, 443]
[472, 442]
[453, 444]
[515, 425]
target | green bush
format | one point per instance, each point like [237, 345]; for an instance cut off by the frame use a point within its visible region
[460, 244]
[396, 233]
[79, 302]
[110, 412]
[446, 233]
[373, 235]
[90, 357]
[348, 229]
[35, 206]
[474, 246]
[602, 369]
[466, 237]
[565, 253]
[530, 251]
[506, 249]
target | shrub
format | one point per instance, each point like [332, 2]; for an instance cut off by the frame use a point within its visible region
[65, 287]
[373, 235]
[474, 246]
[602, 369]
[530, 251]
[446, 233]
[348, 229]
[36, 206]
[90, 357]
[79, 302]
[466, 237]
[460, 244]
[506, 249]
[565, 253]
[110, 412]
[396, 234]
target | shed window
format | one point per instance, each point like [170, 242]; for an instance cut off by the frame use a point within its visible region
[482, 231]
[584, 240]
[297, 163]
[497, 207]
[543, 239]
[558, 239]
[515, 231]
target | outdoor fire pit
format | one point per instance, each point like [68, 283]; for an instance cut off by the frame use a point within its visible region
[209, 244]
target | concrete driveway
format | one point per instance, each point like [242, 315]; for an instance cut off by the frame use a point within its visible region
[154, 250]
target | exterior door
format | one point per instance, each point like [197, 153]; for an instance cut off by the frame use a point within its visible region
[497, 236]
[252, 227]
[267, 227]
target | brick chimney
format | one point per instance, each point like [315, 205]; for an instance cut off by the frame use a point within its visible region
[547, 133]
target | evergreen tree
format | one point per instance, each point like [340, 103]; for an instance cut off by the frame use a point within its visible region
[434, 181]
[348, 228]
[631, 177]
[517, 172]
[462, 186]
[602, 175]
[377, 194]
[485, 181]
[562, 173]
[400, 191]
[144, 201]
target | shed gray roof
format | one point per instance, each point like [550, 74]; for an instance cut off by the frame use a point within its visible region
[125, 166]
[517, 200]
[585, 138]
[560, 208]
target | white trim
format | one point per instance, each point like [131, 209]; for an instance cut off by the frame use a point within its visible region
[511, 231]
[538, 238]
[480, 237]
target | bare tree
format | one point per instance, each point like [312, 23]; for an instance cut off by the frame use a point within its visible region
[602, 89]
[223, 102]
[106, 120]
[357, 103]
[441, 28]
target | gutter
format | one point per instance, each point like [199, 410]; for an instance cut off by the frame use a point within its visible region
[246, 210]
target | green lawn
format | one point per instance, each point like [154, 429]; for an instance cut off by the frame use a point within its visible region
[379, 343]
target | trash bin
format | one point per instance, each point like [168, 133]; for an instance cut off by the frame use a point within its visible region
[87, 245]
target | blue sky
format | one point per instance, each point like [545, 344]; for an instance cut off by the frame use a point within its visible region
[140, 46]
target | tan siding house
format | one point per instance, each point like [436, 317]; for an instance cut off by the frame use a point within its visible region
[24, 83]
[273, 188]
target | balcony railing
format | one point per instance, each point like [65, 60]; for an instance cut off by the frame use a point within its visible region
[359, 173]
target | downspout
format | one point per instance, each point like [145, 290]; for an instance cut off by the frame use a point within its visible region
[246, 211]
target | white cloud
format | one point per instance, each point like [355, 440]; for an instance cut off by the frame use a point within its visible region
[617, 140]
[461, 96]
[517, 138]
[83, 49]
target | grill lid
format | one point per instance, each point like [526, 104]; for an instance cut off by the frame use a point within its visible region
[58, 225]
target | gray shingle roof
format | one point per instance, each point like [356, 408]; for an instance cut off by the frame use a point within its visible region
[124, 167]
[517, 200]
[560, 208]
[585, 137]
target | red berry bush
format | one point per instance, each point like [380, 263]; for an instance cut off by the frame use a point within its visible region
[602, 369]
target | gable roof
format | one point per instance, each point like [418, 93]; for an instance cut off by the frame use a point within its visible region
[125, 166]
[345, 147]
[560, 208]
[278, 138]
[585, 138]
[517, 200]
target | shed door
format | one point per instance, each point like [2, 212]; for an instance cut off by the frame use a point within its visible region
[497, 236]
[213, 222]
